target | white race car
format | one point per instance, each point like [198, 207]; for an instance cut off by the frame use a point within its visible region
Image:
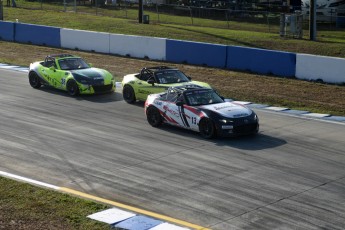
[202, 110]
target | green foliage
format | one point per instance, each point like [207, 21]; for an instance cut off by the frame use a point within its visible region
[45, 208]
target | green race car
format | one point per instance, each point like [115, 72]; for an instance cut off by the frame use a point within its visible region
[70, 73]
[153, 80]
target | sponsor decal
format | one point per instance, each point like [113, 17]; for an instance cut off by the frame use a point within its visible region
[167, 109]
[240, 115]
[156, 102]
[222, 107]
[144, 91]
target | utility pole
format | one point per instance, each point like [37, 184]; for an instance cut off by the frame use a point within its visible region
[312, 20]
[1, 11]
[140, 16]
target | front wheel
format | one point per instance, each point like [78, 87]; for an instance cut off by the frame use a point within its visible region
[153, 116]
[72, 88]
[34, 80]
[128, 94]
[207, 128]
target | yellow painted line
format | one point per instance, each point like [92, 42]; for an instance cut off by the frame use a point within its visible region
[134, 209]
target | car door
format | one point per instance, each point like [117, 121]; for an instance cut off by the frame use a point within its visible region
[147, 84]
[191, 116]
[173, 110]
[55, 77]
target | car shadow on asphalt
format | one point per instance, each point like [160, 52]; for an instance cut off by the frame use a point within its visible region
[102, 98]
[98, 98]
[253, 142]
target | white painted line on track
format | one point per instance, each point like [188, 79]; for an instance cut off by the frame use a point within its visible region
[99, 199]
[29, 180]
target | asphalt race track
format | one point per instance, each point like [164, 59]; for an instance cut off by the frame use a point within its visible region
[290, 176]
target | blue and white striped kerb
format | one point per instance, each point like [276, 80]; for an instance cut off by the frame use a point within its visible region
[120, 219]
[14, 67]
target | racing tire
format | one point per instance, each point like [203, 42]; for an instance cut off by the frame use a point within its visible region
[207, 128]
[153, 116]
[72, 88]
[34, 80]
[128, 94]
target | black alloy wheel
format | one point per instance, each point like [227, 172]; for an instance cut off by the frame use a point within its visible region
[34, 80]
[207, 128]
[128, 94]
[153, 116]
[72, 88]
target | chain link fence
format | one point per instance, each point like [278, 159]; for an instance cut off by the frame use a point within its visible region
[216, 14]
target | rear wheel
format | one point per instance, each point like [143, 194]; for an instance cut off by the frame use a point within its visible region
[128, 94]
[72, 88]
[34, 80]
[207, 128]
[153, 116]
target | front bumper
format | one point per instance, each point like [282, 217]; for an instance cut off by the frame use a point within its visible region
[239, 127]
[96, 89]
[239, 130]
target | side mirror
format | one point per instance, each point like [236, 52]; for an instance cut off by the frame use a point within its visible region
[179, 103]
[189, 78]
[90, 65]
[151, 81]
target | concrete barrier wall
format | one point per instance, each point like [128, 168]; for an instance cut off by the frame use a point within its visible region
[138, 46]
[196, 53]
[7, 31]
[37, 34]
[327, 69]
[302, 66]
[261, 61]
[85, 40]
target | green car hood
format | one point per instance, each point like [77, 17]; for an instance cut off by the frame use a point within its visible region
[91, 73]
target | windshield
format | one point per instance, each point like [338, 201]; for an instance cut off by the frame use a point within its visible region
[72, 63]
[170, 76]
[202, 97]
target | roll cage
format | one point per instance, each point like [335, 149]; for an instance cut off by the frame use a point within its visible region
[178, 95]
[149, 74]
[175, 93]
[50, 60]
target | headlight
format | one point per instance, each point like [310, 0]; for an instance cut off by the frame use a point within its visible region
[81, 79]
[255, 117]
[226, 121]
[84, 81]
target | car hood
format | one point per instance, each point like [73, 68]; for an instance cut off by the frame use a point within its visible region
[228, 109]
[91, 73]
